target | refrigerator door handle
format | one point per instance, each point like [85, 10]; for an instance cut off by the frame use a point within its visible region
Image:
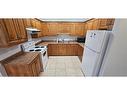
[92, 49]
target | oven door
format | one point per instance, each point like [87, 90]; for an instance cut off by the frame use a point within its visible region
[44, 59]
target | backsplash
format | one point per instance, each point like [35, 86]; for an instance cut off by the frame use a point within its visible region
[54, 38]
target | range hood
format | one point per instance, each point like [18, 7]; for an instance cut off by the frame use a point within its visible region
[32, 30]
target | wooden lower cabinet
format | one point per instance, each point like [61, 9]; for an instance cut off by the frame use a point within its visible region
[64, 50]
[71, 50]
[52, 50]
[61, 49]
[80, 52]
[31, 69]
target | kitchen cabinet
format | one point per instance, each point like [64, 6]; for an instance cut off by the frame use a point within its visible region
[37, 24]
[95, 24]
[22, 29]
[99, 24]
[79, 29]
[9, 27]
[12, 32]
[106, 24]
[27, 22]
[71, 49]
[80, 52]
[52, 49]
[62, 49]
[54, 28]
[89, 25]
[22, 65]
[36, 66]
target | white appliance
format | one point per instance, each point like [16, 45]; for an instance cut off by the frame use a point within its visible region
[30, 31]
[30, 47]
[94, 50]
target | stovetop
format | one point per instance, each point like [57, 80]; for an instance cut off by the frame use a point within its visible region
[38, 48]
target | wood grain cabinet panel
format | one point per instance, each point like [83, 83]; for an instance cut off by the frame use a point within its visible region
[89, 25]
[62, 49]
[27, 22]
[10, 29]
[95, 24]
[24, 69]
[12, 32]
[22, 29]
[106, 24]
[53, 28]
[53, 49]
[80, 52]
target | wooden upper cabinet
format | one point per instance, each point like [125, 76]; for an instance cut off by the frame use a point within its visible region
[45, 29]
[27, 22]
[12, 32]
[53, 28]
[22, 29]
[79, 29]
[10, 29]
[95, 24]
[105, 23]
[37, 24]
[89, 25]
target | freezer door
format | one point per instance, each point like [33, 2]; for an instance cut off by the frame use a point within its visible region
[89, 63]
[95, 39]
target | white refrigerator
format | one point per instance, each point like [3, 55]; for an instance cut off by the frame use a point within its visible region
[94, 51]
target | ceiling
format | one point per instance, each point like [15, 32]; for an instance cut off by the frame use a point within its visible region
[64, 19]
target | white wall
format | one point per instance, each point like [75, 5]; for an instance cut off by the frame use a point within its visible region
[115, 63]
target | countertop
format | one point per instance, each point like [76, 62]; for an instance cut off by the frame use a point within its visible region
[22, 58]
[47, 43]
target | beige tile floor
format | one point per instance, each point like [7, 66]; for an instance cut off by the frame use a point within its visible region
[63, 66]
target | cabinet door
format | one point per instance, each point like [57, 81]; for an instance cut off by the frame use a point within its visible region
[95, 24]
[49, 50]
[45, 30]
[89, 25]
[11, 31]
[79, 29]
[38, 26]
[71, 49]
[27, 22]
[103, 24]
[80, 52]
[110, 21]
[22, 28]
[74, 47]
[54, 49]
[54, 28]
[61, 49]
[39, 66]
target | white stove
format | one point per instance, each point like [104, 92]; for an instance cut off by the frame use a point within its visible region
[30, 47]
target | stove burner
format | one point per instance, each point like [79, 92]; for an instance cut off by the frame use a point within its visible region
[38, 50]
[31, 50]
[37, 46]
